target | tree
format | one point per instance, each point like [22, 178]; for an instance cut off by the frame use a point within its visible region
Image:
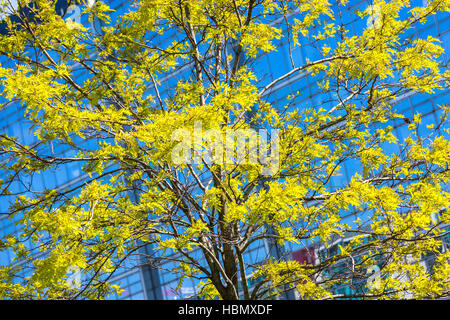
[183, 149]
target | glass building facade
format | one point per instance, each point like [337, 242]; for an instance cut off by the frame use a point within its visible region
[151, 282]
[138, 283]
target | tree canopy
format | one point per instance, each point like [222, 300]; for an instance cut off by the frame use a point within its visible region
[183, 148]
